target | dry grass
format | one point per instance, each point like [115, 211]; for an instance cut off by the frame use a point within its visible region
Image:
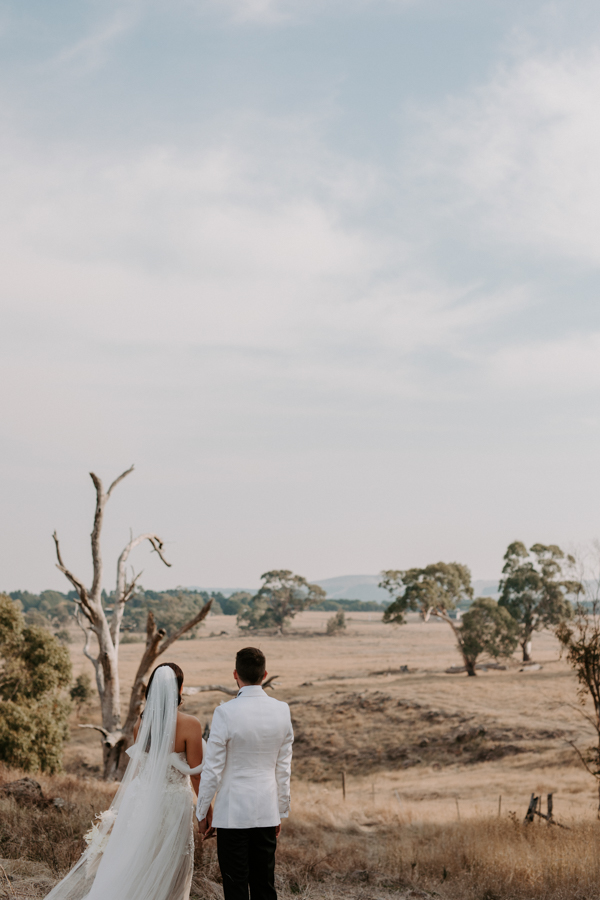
[476, 860]
[413, 746]
[364, 850]
[50, 835]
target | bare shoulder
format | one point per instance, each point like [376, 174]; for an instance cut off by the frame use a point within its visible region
[188, 724]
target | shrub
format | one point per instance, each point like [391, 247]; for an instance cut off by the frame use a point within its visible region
[337, 623]
[82, 690]
[34, 713]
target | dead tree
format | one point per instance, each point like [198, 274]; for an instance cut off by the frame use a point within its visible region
[92, 619]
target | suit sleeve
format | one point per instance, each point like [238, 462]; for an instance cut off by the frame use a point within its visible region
[284, 770]
[214, 763]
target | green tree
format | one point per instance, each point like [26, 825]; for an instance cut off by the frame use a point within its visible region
[580, 642]
[534, 589]
[432, 591]
[435, 590]
[235, 603]
[34, 669]
[281, 596]
[486, 629]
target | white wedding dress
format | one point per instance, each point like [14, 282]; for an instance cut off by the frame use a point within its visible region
[142, 847]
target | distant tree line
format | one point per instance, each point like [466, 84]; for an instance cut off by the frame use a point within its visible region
[171, 608]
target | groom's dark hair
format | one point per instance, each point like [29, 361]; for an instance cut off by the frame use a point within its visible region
[250, 664]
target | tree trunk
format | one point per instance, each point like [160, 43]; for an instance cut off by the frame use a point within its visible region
[526, 648]
[469, 663]
[156, 644]
[92, 619]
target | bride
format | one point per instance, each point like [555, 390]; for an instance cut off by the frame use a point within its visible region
[142, 847]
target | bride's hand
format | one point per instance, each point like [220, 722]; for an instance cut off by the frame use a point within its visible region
[209, 817]
[205, 826]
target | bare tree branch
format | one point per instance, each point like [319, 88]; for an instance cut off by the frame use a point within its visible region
[95, 538]
[117, 480]
[187, 627]
[203, 688]
[157, 544]
[96, 728]
[586, 716]
[83, 601]
[125, 590]
[190, 691]
[577, 751]
[88, 637]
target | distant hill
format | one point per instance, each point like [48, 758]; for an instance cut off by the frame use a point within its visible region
[354, 587]
[486, 588]
[360, 587]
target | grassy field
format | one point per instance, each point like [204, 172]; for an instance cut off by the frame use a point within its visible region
[418, 741]
[427, 757]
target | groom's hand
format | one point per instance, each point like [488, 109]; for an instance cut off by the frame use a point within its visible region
[278, 830]
[205, 825]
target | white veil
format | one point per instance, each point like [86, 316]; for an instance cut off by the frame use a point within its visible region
[134, 852]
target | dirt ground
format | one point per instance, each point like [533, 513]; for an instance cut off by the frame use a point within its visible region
[418, 745]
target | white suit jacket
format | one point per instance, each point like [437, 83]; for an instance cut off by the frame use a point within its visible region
[248, 762]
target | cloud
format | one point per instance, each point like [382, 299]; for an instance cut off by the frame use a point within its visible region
[566, 366]
[284, 11]
[250, 243]
[518, 156]
[90, 52]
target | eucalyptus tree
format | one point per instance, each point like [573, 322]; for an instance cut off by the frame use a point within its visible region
[280, 598]
[535, 589]
[437, 590]
[487, 630]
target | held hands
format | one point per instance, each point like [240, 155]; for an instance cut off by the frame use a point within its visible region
[205, 825]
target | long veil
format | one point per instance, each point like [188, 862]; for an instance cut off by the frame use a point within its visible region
[131, 853]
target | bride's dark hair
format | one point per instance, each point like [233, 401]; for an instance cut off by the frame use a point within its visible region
[178, 675]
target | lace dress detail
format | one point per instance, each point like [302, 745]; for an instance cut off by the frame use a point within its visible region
[173, 839]
[178, 779]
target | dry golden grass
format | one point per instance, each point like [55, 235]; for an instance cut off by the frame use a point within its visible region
[373, 725]
[331, 850]
[420, 750]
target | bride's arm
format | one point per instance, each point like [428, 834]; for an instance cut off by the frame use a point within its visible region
[193, 748]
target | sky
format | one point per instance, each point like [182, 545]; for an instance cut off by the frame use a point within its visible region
[326, 271]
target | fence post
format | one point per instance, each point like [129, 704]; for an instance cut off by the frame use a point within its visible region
[531, 809]
[499, 805]
[344, 783]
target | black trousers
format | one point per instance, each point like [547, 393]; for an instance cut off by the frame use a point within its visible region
[247, 861]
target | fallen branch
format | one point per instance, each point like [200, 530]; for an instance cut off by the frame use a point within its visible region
[190, 691]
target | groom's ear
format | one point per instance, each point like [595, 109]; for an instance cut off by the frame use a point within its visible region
[264, 676]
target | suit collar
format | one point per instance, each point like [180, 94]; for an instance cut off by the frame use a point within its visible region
[251, 690]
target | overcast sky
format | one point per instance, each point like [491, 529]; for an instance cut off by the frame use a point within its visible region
[327, 271]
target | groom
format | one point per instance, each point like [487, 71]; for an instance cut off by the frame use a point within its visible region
[247, 764]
